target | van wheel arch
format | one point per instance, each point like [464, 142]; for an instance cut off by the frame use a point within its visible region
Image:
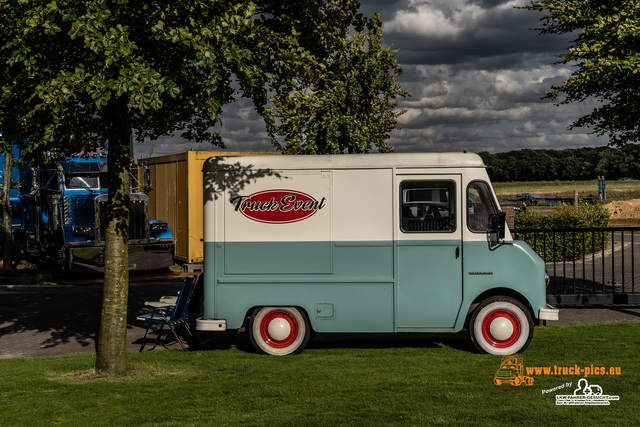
[506, 292]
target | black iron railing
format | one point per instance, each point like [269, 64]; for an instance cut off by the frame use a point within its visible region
[588, 265]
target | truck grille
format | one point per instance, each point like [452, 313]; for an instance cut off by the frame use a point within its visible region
[138, 222]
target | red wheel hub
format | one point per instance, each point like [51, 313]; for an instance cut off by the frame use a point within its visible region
[279, 329]
[505, 332]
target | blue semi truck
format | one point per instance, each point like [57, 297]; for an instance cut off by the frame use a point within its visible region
[62, 217]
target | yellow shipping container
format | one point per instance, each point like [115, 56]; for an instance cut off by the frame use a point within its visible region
[174, 186]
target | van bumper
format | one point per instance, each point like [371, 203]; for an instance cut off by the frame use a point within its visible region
[549, 313]
[212, 325]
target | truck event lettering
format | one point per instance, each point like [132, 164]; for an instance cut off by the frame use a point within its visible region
[277, 206]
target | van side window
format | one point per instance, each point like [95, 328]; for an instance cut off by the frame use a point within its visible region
[428, 206]
[480, 205]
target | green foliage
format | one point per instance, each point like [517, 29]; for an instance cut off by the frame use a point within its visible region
[564, 165]
[68, 63]
[76, 74]
[331, 83]
[604, 51]
[557, 246]
[350, 107]
[14, 184]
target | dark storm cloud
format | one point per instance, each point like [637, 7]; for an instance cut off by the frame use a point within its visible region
[499, 37]
[477, 72]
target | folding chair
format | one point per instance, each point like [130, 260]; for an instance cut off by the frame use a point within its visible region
[171, 315]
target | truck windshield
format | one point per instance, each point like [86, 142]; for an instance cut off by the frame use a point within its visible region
[86, 182]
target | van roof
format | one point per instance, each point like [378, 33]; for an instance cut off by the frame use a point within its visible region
[348, 161]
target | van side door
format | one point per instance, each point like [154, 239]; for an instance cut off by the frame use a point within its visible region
[429, 251]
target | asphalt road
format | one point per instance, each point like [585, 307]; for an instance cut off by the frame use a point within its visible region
[63, 318]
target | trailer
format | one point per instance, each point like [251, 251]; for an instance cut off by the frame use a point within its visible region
[527, 199]
[375, 243]
[173, 184]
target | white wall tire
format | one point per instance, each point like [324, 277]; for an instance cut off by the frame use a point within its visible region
[279, 331]
[501, 326]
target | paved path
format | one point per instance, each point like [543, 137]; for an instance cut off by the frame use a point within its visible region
[49, 320]
[597, 314]
[608, 271]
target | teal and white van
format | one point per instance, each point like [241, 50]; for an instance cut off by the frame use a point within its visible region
[373, 243]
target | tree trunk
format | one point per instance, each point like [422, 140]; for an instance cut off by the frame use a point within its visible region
[6, 211]
[112, 355]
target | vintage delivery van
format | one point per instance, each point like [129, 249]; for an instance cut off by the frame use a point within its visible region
[377, 243]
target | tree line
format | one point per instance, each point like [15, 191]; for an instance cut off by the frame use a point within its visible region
[576, 164]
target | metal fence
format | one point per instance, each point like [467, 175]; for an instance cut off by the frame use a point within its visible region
[589, 265]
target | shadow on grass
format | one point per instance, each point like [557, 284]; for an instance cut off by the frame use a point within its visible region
[460, 341]
[205, 341]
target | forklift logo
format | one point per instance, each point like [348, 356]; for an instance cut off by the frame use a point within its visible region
[277, 206]
[511, 371]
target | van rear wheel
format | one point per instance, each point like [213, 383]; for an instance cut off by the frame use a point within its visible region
[279, 331]
[501, 325]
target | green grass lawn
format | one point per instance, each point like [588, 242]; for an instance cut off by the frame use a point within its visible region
[357, 380]
[615, 189]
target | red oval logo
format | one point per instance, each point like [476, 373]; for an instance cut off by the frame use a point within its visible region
[277, 206]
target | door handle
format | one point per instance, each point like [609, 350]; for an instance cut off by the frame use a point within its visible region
[457, 252]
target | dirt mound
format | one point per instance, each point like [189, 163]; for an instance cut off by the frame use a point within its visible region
[625, 212]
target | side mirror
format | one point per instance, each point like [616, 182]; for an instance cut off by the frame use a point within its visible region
[497, 223]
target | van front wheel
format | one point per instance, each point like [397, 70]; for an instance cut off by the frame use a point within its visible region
[279, 331]
[501, 325]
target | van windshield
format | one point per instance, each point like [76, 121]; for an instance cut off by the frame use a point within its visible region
[480, 205]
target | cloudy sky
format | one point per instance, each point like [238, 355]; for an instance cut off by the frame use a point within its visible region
[476, 71]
